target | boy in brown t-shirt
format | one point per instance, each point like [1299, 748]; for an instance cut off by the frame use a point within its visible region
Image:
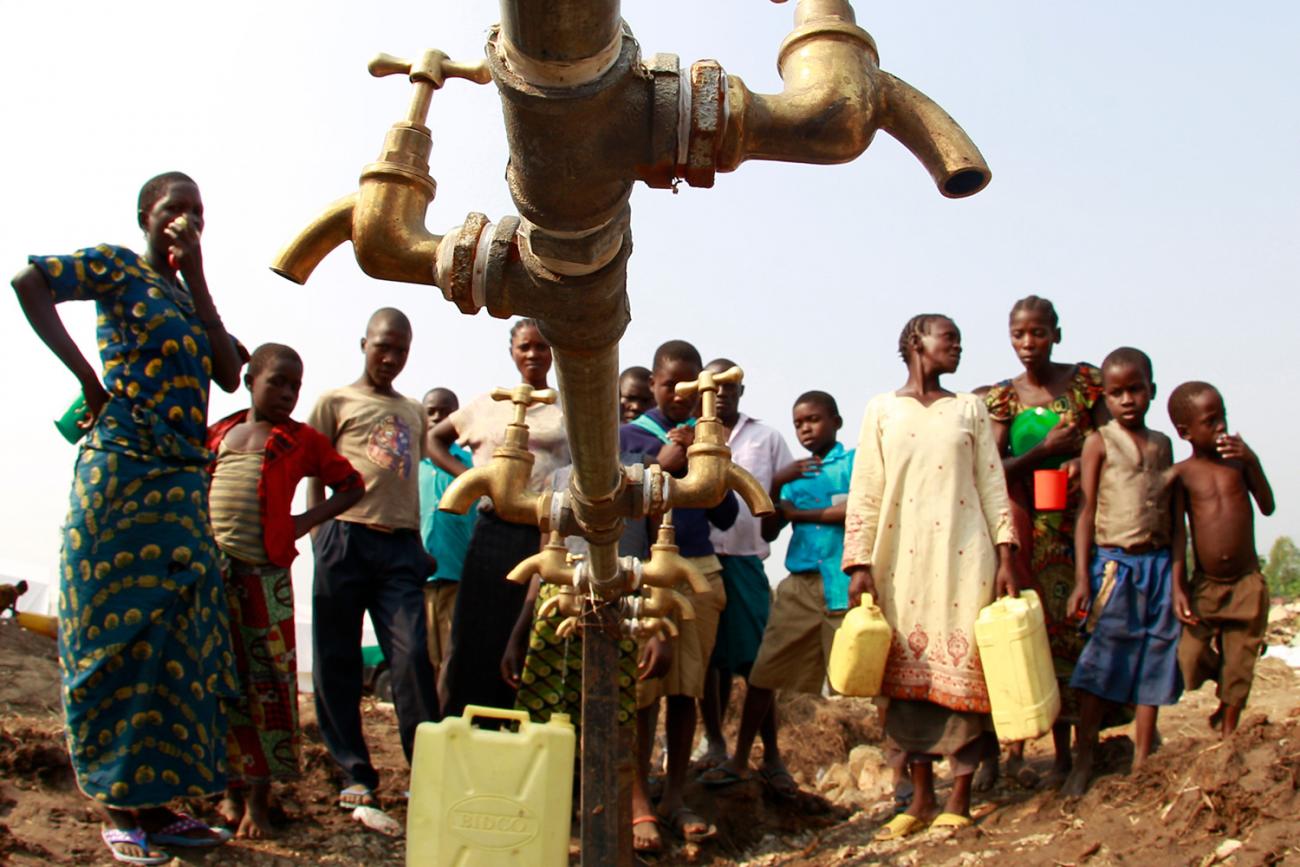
[1225, 611]
[371, 557]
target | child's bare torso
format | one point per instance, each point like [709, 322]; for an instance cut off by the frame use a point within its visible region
[1221, 515]
[248, 436]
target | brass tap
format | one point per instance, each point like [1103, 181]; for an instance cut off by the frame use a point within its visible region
[710, 472]
[384, 220]
[666, 566]
[567, 602]
[554, 563]
[504, 479]
[835, 97]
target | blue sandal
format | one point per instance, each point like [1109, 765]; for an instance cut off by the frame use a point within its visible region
[114, 837]
[177, 834]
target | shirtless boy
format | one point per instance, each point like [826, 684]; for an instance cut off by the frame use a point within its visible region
[1225, 610]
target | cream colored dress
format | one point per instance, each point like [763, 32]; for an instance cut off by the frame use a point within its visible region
[927, 504]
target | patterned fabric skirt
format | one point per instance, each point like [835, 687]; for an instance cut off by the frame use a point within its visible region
[263, 741]
[552, 678]
[144, 639]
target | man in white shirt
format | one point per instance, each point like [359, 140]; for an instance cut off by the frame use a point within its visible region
[741, 549]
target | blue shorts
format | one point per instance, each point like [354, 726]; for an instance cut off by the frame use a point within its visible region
[1132, 655]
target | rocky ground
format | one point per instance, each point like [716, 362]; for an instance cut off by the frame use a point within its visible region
[1198, 802]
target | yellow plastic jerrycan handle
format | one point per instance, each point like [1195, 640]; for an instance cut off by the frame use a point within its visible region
[473, 711]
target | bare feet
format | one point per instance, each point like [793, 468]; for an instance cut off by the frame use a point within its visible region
[1019, 771]
[256, 823]
[1079, 778]
[645, 835]
[231, 808]
[1060, 770]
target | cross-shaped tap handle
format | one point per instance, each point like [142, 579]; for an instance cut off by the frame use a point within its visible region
[433, 67]
[524, 396]
[428, 73]
[707, 387]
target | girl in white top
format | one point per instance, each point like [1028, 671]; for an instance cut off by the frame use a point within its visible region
[487, 605]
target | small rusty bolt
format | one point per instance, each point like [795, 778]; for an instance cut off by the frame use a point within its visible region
[708, 114]
[461, 290]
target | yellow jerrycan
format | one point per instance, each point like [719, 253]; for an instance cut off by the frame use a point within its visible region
[859, 651]
[481, 797]
[1012, 639]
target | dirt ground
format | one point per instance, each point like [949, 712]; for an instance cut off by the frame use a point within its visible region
[1197, 802]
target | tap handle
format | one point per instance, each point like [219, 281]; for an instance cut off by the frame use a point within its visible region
[523, 396]
[707, 387]
[432, 67]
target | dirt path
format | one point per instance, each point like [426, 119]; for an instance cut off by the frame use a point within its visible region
[1193, 797]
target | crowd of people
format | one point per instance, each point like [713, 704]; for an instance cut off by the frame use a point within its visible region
[176, 608]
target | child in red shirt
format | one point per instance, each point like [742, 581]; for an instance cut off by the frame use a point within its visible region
[259, 456]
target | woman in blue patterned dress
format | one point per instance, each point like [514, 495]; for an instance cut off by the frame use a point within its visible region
[144, 641]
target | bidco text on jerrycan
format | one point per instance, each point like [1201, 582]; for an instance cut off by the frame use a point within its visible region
[1012, 639]
[483, 797]
[859, 651]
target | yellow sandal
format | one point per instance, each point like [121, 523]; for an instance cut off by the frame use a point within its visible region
[902, 825]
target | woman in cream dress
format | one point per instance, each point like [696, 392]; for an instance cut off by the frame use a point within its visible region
[928, 533]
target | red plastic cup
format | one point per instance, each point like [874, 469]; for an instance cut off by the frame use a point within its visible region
[1050, 489]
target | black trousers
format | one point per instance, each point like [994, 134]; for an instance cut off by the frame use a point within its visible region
[487, 606]
[361, 570]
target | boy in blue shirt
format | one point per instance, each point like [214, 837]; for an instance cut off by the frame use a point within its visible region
[663, 434]
[445, 535]
[810, 603]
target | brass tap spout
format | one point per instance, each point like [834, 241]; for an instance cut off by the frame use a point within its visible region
[710, 472]
[385, 218]
[301, 255]
[835, 97]
[505, 478]
[666, 566]
[553, 563]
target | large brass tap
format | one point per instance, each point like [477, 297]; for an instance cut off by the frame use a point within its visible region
[384, 219]
[504, 480]
[835, 97]
[710, 472]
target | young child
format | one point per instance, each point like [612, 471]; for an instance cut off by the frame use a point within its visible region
[1126, 590]
[664, 433]
[260, 456]
[741, 550]
[371, 559]
[1225, 611]
[811, 601]
[634, 395]
[446, 535]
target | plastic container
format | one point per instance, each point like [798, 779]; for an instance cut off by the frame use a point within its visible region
[1029, 428]
[67, 423]
[482, 797]
[42, 624]
[1050, 489]
[859, 651]
[1012, 638]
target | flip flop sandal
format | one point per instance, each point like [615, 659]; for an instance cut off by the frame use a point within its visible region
[652, 846]
[114, 837]
[683, 816]
[176, 834]
[955, 821]
[356, 796]
[779, 782]
[902, 825]
[720, 777]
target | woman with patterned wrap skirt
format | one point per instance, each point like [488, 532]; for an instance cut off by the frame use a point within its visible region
[144, 643]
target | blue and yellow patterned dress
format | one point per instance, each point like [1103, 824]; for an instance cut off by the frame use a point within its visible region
[144, 637]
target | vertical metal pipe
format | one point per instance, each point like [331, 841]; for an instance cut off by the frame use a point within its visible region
[607, 752]
[588, 383]
[560, 31]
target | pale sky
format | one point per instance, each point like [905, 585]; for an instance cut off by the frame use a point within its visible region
[1144, 178]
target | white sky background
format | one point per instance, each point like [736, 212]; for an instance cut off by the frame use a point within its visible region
[1144, 178]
